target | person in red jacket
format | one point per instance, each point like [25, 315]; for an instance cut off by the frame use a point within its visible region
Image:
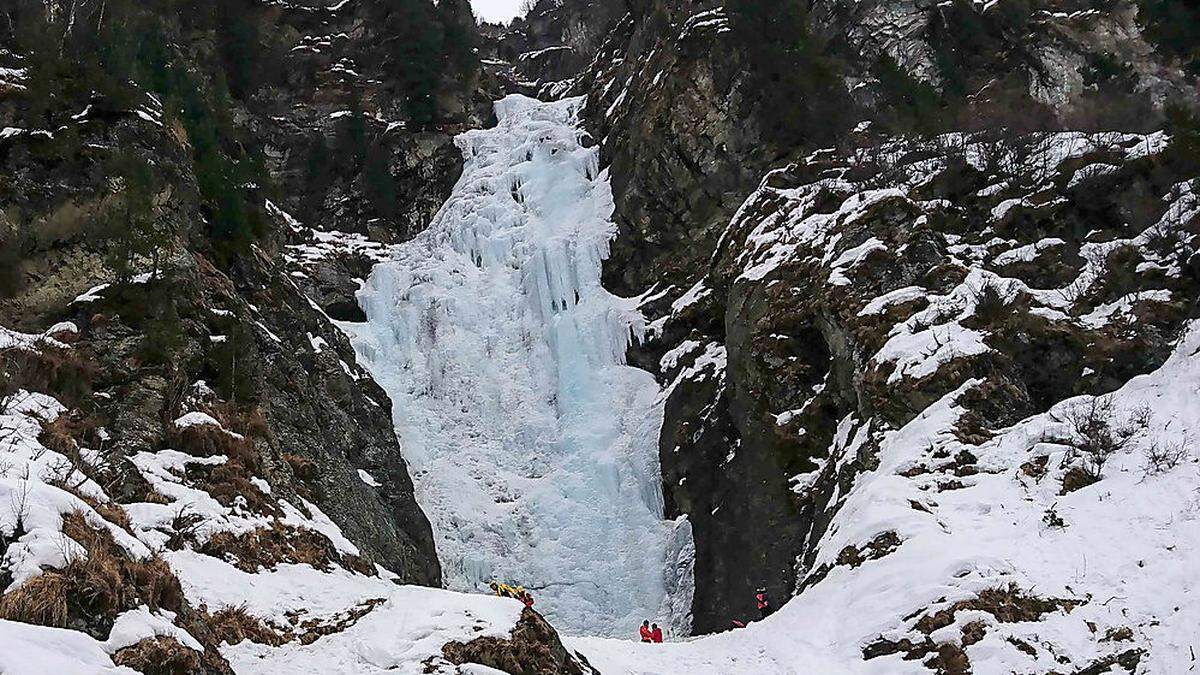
[764, 605]
[655, 633]
[644, 631]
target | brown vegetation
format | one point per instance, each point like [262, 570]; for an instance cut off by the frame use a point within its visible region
[93, 588]
[532, 649]
[267, 547]
[883, 544]
[51, 369]
[1007, 605]
[233, 624]
[159, 656]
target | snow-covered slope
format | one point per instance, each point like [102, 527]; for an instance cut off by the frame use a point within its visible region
[533, 448]
[1117, 573]
[273, 587]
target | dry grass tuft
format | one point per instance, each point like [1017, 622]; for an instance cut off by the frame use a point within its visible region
[229, 482]
[158, 656]
[104, 582]
[304, 468]
[267, 547]
[51, 369]
[41, 600]
[234, 624]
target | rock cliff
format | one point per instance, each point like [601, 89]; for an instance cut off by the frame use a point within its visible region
[692, 103]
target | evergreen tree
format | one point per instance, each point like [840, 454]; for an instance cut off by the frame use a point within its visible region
[133, 230]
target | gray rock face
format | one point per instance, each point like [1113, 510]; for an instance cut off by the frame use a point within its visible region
[553, 42]
[682, 102]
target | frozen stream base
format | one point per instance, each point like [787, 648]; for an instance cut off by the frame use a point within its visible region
[533, 447]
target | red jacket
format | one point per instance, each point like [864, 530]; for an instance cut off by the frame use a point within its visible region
[656, 634]
[645, 633]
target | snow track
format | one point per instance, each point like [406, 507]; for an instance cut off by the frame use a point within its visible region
[533, 447]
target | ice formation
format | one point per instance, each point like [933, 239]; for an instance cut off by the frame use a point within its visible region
[533, 447]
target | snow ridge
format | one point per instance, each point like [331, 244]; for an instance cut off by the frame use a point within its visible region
[533, 447]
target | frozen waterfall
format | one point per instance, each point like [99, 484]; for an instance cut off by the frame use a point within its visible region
[533, 447]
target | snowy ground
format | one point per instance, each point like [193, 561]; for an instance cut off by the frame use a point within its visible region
[1128, 553]
[533, 448]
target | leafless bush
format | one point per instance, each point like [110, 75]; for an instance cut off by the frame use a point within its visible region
[184, 526]
[1096, 436]
[1052, 519]
[1162, 456]
[952, 148]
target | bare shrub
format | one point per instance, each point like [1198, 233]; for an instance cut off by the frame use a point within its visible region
[993, 302]
[8, 383]
[1163, 456]
[47, 367]
[183, 528]
[1173, 240]
[1096, 435]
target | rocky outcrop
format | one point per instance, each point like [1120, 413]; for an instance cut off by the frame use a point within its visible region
[552, 42]
[532, 649]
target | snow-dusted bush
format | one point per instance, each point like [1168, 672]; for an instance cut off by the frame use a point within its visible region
[1096, 435]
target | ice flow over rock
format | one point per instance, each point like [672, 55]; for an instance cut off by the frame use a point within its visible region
[533, 447]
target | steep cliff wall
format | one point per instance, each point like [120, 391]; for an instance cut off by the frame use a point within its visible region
[692, 102]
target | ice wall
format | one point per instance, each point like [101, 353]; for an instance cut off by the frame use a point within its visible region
[533, 447]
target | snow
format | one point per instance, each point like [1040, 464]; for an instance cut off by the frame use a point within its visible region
[1028, 252]
[1128, 553]
[197, 418]
[403, 630]
[693, 295]
[897, 297]
[139, 624]
[28, 496]
[532, 446]
[407, 628]
[368, 479]
[37, 650]
[92, 294]
[396, 638]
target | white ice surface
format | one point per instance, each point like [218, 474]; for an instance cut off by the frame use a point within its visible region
[533, 447]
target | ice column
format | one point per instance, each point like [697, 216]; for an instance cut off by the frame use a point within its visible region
[532, 445]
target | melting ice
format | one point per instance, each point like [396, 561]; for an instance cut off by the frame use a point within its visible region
[533, 447]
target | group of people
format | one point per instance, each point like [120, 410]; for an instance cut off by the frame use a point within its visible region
[510, 591]
[650, 632]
